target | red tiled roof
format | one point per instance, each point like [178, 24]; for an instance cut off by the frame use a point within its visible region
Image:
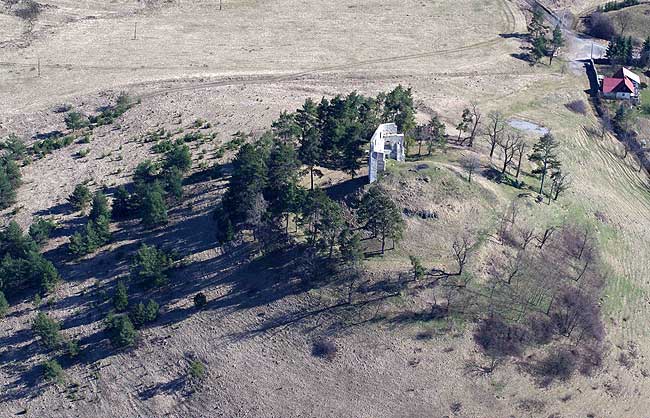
[625, 73]
[617, 85]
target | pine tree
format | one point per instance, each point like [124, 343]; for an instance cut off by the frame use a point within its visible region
[154, 209]
[310, 152]
[286, 128]
[179, 158]
[121, 298]
[100, 207]
[399, 108]
[545, 155]
[80, 197]
[121, 331]
[350, 247]
[122, 203]
[150, 266]
[282, 178]
[381, 216]
[645, 53]
[48, 330]
[557, 42]
[248, 180]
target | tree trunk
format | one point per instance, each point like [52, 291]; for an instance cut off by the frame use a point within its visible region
[494, 145]
[383, 243]
[519, 164]
[541, 185]
[419, 148]
[505, 165]
[311, 174]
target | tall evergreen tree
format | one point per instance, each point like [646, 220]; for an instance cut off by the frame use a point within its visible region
[545, 155]
[381, 216]
[557, 42]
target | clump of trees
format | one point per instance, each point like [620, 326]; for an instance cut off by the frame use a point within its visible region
[47, 329]
[264, 193]
[96, 233]
[542, 43]
[22, 266]
[616, 5]
[10, 177]
[150, 266]
[156, 185]
[544, 292]
[121, 331]
[620, 50]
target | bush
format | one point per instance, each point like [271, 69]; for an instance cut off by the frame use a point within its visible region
[324, 348]
[76, 120]
[15, 148]
[601, 26]
[121, 298]
[498, 339]
[200, 300]
[4, 305]
[80, 197]
[47, 329]
[558, 365]
[577, 106]
[52, 371]
[28, 10]
[121, 331]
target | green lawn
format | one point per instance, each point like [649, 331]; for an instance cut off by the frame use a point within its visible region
[645, 97]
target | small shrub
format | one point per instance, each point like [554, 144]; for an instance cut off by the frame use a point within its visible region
[84, 139]
[324, 348]
[72, 348]
[200, 300]
[52, 371]
[76, 120]
[83, 152]
[196, 371]
[577, 106]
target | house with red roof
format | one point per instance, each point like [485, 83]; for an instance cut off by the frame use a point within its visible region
[624, 85]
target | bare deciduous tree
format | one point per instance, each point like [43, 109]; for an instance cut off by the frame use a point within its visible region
[471, 163]
[496, 126]
[509, 144]
[476, 117]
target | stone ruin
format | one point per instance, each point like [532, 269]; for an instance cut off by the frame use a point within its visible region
[385, 143]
